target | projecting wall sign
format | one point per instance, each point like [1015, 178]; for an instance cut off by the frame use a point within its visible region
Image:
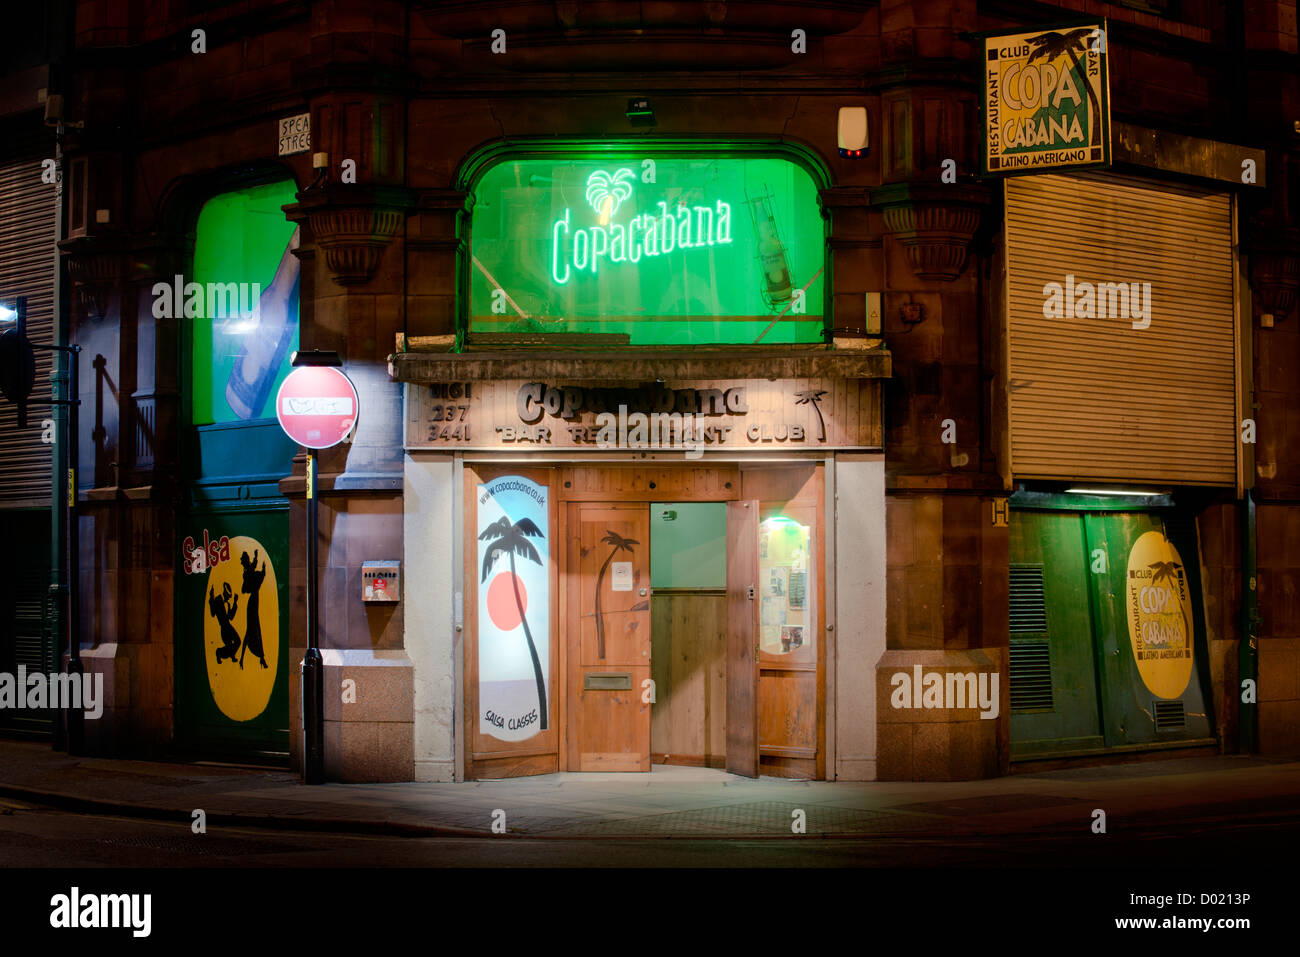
[1046, 99]
[750, 414]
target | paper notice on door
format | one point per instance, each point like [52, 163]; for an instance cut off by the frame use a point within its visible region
[620, 577]
[772, 612]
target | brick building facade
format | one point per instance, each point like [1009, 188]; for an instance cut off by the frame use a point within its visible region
[421, 96]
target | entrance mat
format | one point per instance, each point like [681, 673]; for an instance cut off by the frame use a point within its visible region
[993, 804]
[769, 818]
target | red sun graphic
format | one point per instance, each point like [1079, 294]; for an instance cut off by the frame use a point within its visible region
[501, 605]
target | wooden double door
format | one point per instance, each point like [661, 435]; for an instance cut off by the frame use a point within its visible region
[590, 642]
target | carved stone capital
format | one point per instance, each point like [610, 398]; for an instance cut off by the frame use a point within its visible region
[352, 225]
[1275, 276]
[95, 267]
[934, 223]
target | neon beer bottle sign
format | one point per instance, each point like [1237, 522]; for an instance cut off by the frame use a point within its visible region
[577, 249]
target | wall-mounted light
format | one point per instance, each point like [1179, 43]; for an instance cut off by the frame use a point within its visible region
[1146, 493]
[640, 112]
[315, 357]
[852, 132]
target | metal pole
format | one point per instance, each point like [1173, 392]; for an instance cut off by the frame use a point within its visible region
[76, 717]
[313, 666]
[1247, 649]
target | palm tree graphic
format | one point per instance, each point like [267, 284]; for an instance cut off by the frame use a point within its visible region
[1052, 45]
[620, 544]
[606, 193]
[512, 539]
[814, 397]
[1168, 571]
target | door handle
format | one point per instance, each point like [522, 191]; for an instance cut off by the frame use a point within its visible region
[642, 592]
[756, 652]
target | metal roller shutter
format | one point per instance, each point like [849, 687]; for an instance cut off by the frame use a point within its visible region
[1095, 398]
[27, 268]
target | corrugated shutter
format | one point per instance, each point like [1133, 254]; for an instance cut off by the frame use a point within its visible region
[27, 268]
[1095, 398]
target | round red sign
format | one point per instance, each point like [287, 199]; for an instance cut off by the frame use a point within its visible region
[317, 406]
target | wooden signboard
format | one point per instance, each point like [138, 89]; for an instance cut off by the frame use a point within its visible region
[693, 417]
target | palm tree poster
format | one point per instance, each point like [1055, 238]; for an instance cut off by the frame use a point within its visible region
[1046, 99]
[514, 619]
[1159, 611]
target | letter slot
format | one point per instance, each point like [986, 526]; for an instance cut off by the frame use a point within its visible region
[607, 681]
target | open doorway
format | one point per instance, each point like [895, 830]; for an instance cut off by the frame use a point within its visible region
[688, 615]
[575, 661]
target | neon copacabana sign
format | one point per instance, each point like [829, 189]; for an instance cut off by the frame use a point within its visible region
[578, 249]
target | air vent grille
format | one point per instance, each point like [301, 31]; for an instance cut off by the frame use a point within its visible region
[1031, 676]
[1028, 606]
[1169, 715]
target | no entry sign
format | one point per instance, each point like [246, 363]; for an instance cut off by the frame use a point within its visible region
[316, 406]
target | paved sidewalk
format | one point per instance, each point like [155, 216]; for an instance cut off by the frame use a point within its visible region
[669, 801]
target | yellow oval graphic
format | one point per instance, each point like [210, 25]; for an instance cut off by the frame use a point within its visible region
[241, 630]
[1160, 615]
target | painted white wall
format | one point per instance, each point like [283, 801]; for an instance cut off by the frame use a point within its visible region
[859, 610]
[431, 568]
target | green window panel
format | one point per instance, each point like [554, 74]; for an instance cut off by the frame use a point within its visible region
[245, 316]
[648, 248]
[688, 545]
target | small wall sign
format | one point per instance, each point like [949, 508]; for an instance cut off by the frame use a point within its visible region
[295, 134]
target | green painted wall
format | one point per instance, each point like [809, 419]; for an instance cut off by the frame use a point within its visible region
[690, 550]
[1100, 700]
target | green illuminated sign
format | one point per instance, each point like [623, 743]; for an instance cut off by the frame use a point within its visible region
[657, 234]
[662, 249]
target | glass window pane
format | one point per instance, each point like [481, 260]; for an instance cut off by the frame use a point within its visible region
[658, 249]
[785, 586]
[688, 545]
[245, 288]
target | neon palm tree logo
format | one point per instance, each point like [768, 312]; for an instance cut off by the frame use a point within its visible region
[606, 193]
